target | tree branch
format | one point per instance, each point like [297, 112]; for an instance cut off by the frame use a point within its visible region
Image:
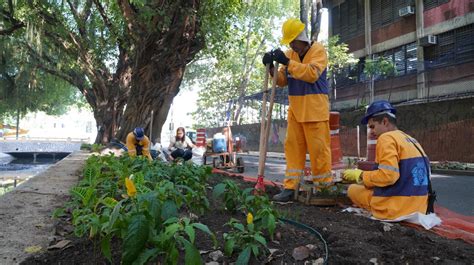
[16, 24]
[133, 26]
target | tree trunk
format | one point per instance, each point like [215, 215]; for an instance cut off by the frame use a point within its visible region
[158, 71]
[107, 120]
[158, 98]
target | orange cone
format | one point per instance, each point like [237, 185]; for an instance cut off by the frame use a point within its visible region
[369, 164]
[336, 151]
[201, 137]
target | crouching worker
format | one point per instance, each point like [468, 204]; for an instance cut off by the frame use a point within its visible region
[180, 146]
[138, 143]
[399, 185]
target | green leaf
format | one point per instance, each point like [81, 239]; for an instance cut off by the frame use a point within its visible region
[255, 250]
[109, 202]
[190, 232]
[173, 256]
[115, 214]
[135, 239]
[202, 227]
[218, 190]
[105, 247]
[146, 256]
[239, 226]
[271, 224]
[260, 239]
[169, 210]
[171, 230]
[229, 246]
[244, 257]
[192, 255]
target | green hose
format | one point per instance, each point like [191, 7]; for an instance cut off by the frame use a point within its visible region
[312, 231]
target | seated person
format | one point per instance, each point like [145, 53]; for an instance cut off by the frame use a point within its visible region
[400, 184]
[180, 145]
[138, 143]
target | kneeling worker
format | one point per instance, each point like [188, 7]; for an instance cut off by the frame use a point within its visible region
[138, 143]
[399, 186]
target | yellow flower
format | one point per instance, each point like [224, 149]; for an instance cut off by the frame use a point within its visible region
[131, 190]
[249, 218]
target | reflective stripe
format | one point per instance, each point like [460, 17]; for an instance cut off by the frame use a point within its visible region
[292, 177]
[329, 174]
[387, 167]
[333, 132]
[371, 141]
[297, 171]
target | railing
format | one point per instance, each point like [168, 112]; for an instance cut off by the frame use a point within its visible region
[45, 139]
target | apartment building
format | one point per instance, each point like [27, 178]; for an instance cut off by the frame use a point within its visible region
[430, 42]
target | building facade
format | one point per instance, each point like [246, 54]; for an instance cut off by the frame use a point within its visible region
[429, 42]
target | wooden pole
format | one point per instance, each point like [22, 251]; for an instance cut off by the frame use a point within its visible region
[261, 162]
[268, 124]
[151, 128]
[265, 127]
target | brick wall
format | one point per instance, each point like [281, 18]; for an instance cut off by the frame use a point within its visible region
[444, 128]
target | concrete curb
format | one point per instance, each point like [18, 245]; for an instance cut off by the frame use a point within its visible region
[453, 172]
[25, 218]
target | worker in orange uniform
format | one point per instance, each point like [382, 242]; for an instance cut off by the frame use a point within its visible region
[304, 71]
[138, 143]
[400, 184]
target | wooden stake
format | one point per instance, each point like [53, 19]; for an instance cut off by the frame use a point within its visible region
[266, 120]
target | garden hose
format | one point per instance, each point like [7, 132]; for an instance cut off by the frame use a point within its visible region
[312, 231]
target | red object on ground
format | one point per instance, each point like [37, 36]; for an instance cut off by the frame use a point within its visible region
[260, 186]
[454, 225]
[201, 137]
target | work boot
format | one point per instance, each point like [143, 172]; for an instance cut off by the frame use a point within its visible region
[284, 196]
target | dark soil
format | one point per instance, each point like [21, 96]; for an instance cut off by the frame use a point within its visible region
[350, 239]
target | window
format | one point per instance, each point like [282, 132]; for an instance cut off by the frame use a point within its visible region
[347, 19]
[404, 59]
[428, 4]
[384, 12]
[454, 47]
[399, 60]
[411, 58]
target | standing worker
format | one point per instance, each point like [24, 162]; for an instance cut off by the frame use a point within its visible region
[138, 143]
[304, 71]
[399, 186]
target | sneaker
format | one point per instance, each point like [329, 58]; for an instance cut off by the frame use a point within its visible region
[284, 196]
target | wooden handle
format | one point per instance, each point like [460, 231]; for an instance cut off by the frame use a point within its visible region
[265, 126]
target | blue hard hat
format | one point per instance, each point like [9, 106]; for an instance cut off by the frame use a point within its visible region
[139, 133]
[377, 108]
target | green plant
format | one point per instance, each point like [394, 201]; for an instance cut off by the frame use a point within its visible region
[96, 147]
[138, 201]
[247, 239]
[231, 194]
[266, 216]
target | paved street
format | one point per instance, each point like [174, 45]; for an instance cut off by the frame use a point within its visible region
[454, 192]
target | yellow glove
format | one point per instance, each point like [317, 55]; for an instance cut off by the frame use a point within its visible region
[354, 175]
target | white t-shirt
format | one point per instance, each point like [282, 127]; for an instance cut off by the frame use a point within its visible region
[181, 145]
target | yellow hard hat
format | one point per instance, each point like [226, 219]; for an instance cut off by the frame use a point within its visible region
[290, 30]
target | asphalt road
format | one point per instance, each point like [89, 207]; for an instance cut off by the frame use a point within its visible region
[454, 192]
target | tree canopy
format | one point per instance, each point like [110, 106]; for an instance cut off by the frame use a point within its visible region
[238, 72]
[126, 57]
[25, 88]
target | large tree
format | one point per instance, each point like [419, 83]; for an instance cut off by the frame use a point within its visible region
[126, 57]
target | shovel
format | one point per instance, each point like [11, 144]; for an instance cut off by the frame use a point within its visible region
[265, 127]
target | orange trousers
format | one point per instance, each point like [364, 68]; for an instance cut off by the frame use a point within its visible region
[303, 137]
